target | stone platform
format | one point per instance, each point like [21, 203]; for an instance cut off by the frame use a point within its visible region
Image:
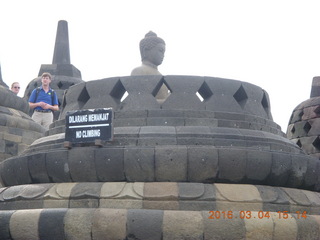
[210, 146]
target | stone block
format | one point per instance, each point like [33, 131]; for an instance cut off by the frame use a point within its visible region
[161, 191]
[82, 165]
[22, 170]
[120, 203]
[258, 166]
[211, 122]
[131, 114]
[165, 121]
[144, 224]
[109, 224]
[190, 190]
[280, 169]
[161, 205]
[312, 174]
[58, 166]
[109, 164]
[171, 163]
[8, 176]
[258, 228]
[182, 225]
[139, 164]
[284, 228]
[196, 205]
[127, 122]
[297, 196]
[232, 164]
[2, 145]
[223, 228]
[77, 223]
[11, 148]
[51, 224]
[24, 224]
[37, 168]
[84, 195]
[308, 228]
[296, 115]
[298, 170]
[154, 141]
[127, 132]
[5, 224]
[152, 113]
[202, 164]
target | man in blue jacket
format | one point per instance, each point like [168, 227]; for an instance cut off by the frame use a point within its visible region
[44, 101]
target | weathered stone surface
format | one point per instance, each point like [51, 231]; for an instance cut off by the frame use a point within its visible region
[139, 164]
[77, 223]
[82, 166]
[58, 166]
[258, 165]
[281, 164]
[51, 226]
[232, 164]
[109, 224]
[109, 164]
[202, 164]
[308, 228]
[24, 224]
[171, 163]
[182, 225]
[37, 168]
[5, 223]
[144, 224]
[223, 228]
[258, 228]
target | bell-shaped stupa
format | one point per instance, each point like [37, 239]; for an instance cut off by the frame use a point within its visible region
[204, 162]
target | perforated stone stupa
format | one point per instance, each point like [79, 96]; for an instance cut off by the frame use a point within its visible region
[304, 123]
[17, 129]
[63, 72]
[211, 147]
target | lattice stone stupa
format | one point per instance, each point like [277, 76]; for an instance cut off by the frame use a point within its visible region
[209, 146]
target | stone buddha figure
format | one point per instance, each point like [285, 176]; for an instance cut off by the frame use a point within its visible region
[152, 50]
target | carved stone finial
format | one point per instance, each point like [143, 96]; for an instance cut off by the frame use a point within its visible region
[61, 53]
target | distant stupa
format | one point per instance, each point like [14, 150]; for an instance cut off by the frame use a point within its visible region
[2, 83]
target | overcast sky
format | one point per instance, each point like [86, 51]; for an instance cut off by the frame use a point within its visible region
[274, 44]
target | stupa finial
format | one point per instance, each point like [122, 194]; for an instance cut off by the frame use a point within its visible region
[61, 53]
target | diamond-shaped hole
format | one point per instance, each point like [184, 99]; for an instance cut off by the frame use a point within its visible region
[265, 103]
[35, 84]
[64, 101]
[60, 84]
[204, 92]
[83, 97]
[293, 129]
[241, 96]
[317, 110]
[125, 95]
[299, 143]
[307, 127]
[161, 92]
[118, 92]
[316, 143]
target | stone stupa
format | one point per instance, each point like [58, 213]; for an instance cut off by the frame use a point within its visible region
[17, 129]
[304, 123]
[63, 72]
[185, 167]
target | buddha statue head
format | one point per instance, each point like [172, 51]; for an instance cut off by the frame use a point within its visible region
[152, 50]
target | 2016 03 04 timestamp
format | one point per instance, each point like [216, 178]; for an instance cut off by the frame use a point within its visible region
[255, 214]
